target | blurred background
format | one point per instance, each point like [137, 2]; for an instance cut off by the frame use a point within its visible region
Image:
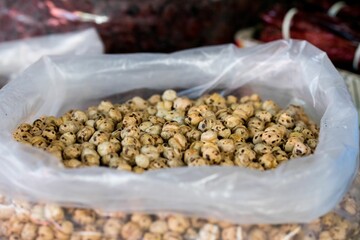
[128, 26]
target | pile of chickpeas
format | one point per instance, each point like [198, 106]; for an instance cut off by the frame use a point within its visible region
[170, 131]
[25, 221]
[167, 131]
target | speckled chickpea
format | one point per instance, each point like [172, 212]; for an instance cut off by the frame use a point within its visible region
[198, 162]
[105, 125]
[45, 233]
[39, 142]
[209, 136]
[231, 99]
[69, 126]
[143, 220]
[49, 134]
[243, 156]
[131, 231]
[262, 148]
[182, 104]
[79, 116]
[171, 153]
[124, 166]
[289, 145]
[35, 131]
[232, 233]
[68, 138]
[39, 123]
[209, 232]
[84, 216]
[211, 154]
[172, 236]
[112, 227]
[72, 152]
[90, 157]
[268, 161]
[105, 106]
[178, 223]
[130, 131]
[300, 149]
[226, 145]
[99, 137]
[106, 148]
[54, 213]
[193, 118]
[29, 231]
[72, 163]
[178, 141]
[142, 160]
[158, 227]
[152, 236]
[270, 106]
[84, 134]
[129, 152]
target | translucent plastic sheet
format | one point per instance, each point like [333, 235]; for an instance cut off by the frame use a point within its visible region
[15, 56]
[285, 71]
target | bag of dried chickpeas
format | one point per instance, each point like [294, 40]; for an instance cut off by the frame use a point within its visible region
[263, 135]
[18, 55]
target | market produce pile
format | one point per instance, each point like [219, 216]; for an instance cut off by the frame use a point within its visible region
[22, 220]
[171, 131]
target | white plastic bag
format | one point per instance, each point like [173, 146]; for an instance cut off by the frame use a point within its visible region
[15, 56]
[285, 71]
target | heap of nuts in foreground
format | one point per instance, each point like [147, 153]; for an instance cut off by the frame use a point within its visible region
[171, 131]
[25, 221]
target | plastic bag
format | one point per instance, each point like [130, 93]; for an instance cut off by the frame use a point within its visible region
[15, 56]
[285, 71]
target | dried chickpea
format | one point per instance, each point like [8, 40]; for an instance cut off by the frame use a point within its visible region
[68, 138]
[69, 126]
[99, 137]
[142, 160]
[171, 131]
[83, 216]
[84, 134]
[54, 213]
[90, 157]
[131, 231]
[112, 227]
[172, 236]
[29, 231]
[72, 152]
[209, 232]
[178, 223]
[158, 227]
[45, 233]
[79, 116]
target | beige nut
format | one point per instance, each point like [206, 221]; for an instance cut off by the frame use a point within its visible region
[54, 213]
[72, 152]
[69, 126]
[112, 227]
[106, 148]
[105, 125]
[209, 232]
[90, 157]
[158, 227]
[131, 231]
[142, 161]
[178, 223]
[99, 137]
[29, 231]
[84, 134]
